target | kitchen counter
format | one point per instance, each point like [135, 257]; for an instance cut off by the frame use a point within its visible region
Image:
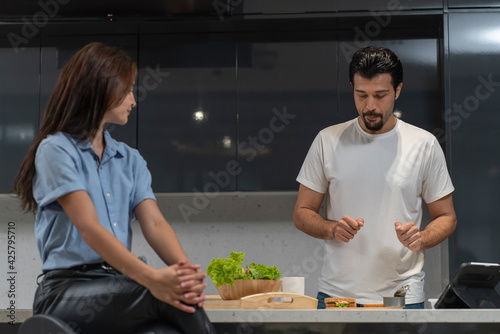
[356, 315]
[357, 321]
[343, 321]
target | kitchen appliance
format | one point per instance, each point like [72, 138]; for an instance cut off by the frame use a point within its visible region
[473, 286]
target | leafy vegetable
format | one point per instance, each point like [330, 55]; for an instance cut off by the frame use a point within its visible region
[226, 270]
[260, 271]
[339, 303]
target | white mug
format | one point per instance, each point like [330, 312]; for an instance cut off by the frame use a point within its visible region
[293, 285]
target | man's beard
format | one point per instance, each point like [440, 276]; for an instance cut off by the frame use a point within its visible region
[373, 126]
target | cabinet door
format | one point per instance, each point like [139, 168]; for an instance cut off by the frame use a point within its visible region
[282, 6]
[472, 4]
[188, 118]
[473, 119]
[287, 85]
[395, 6]
[315, 6]
[19, 98]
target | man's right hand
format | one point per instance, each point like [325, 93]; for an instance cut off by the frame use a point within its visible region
[346, 228]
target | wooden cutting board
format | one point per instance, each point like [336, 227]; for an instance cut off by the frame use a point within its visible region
[352, 305]
[269, 300]
[379, 306]
[366, 306]
[215, 302]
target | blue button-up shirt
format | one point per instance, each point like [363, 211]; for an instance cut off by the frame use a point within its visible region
[116, 185]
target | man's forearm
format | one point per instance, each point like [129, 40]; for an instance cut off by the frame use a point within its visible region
[312, 223]
[438, 230]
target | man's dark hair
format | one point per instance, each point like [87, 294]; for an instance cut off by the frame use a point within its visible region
[371, 61]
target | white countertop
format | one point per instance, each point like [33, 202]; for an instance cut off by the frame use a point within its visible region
[356, 316]
[334, 316]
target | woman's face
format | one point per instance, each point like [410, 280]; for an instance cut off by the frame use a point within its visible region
[119, 114]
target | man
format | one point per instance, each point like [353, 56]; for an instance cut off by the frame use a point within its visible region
[375, 171]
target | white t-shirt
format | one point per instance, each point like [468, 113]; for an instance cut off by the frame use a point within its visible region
[381, 178]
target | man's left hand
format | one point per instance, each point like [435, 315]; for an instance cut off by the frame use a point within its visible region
[409, 235]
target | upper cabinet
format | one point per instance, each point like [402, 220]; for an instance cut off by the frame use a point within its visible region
[282, 6]
[188, 111]
[473, 4]
[472, 120]
[67, 9]
[19, 87]
[321, 6]
[388, 5]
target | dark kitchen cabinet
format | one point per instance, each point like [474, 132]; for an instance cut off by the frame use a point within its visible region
[472, 119]
[282, 6]
[393, 6]
[323, 6]
[188, 121]
[19, 85]
[473, 4]
[287, 84]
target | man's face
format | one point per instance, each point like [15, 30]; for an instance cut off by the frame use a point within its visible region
[374, 99]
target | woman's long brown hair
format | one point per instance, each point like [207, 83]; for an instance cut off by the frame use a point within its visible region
[96, 79]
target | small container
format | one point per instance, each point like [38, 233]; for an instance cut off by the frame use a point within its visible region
[394, 302]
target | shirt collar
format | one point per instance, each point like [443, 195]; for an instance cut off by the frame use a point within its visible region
[112, 149]
[379, 135]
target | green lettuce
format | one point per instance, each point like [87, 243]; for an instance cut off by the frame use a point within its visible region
[226, 270]
[260, 271]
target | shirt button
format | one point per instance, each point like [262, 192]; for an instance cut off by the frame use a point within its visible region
[107, 195]
[100, 167]
[114, 224]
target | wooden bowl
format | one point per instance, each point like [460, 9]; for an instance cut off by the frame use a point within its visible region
[246, 287]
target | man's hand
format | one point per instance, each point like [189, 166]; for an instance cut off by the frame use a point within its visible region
[409, 235]
[346, 228]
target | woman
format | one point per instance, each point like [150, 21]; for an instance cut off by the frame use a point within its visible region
[85, 188]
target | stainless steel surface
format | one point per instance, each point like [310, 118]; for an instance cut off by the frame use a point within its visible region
[394, 301]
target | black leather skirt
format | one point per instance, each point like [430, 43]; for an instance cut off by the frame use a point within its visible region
[97, 299]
